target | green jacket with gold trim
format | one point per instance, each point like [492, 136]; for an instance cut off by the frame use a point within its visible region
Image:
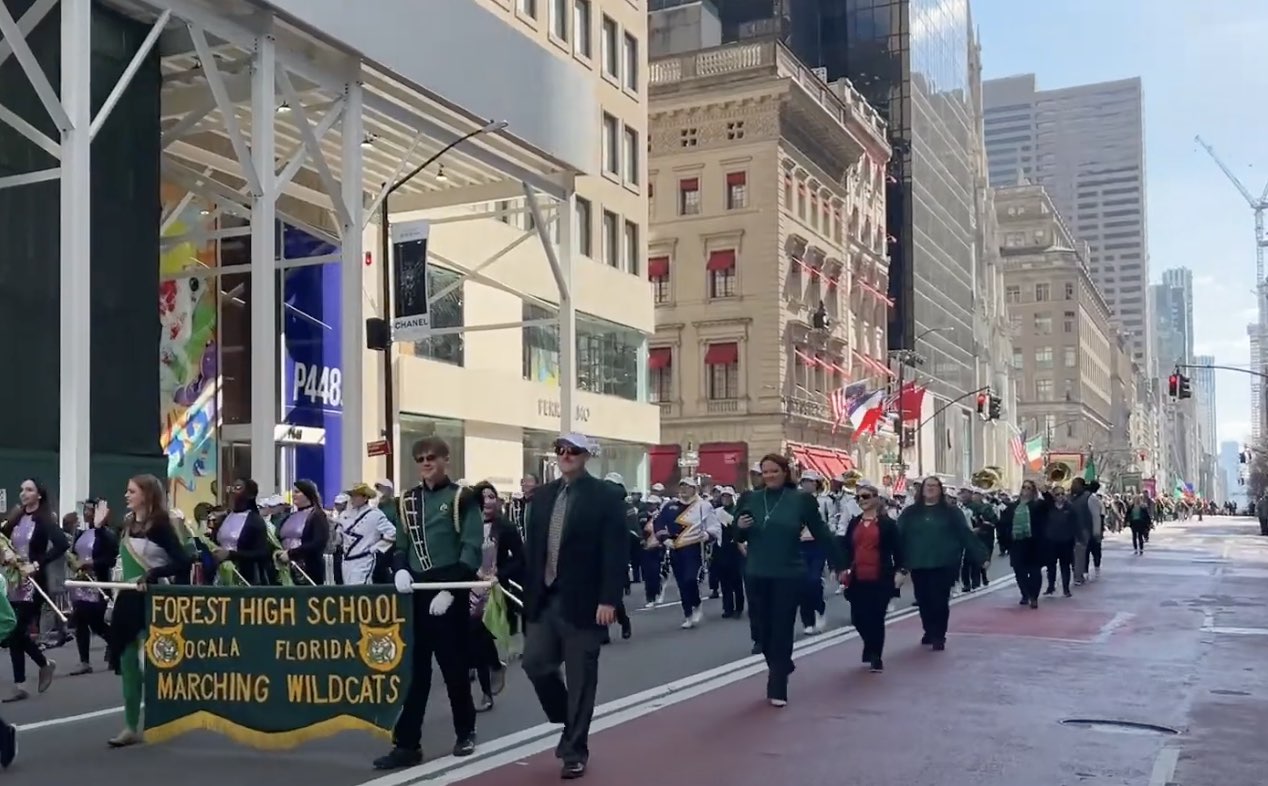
[439, 534]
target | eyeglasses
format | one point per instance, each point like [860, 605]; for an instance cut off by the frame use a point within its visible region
[865, 496]
[429, 457]
[565, 450]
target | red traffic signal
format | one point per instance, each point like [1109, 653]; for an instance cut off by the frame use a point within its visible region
[1173, 385]
[981, 403]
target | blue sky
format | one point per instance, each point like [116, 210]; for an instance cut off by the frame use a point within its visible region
[1202, 75]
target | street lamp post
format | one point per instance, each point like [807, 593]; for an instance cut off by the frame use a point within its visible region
[905, 358]
[385, 255]
[689, 462]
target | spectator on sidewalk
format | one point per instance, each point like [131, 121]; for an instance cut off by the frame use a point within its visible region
[1021, 535]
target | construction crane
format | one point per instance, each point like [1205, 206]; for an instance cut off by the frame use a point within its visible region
[1260, 332]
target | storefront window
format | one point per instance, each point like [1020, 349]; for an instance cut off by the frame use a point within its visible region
[626, 458]
[607, 354]
[416, 427]
[446, 312]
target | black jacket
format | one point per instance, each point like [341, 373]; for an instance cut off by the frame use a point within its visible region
[593, 550]
[310, 554]
[48, 541]
[254, 555]
[105, 551]
[891, 547]
[510, 556]
[1039, 508]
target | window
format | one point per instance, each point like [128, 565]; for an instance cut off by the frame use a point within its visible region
[582, 44]
[651, 199]
[1043, 357]
[723, 361]
[658, 275]
[585, 227]
[1069, 291]
[611, 145]
[1069, 322]
[631, 156]
[1041, 293]
[1043, 324]
[660, 368]
[607, 354]
[608, 48]
[1018, 359]
[736, 191]
[631, 63]
[611, 239]
[446, 312]
[1012, 293]
[527, 8]
[1071, 357]
[559, 19]
[721, 271]
[1043, 389]
[689, 197]
[632, 250]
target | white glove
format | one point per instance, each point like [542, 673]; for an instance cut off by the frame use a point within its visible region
[404, 581]
[900, 580]
[441, 603]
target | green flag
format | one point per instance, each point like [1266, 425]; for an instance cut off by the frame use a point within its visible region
[1089, 471]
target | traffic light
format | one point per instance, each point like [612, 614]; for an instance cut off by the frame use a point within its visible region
[981, 403]
[1173, 385]
[995, 405]
[1186, 390]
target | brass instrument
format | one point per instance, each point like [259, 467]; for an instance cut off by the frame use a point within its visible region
[988, 478]
[1058, 473]
[851, 478]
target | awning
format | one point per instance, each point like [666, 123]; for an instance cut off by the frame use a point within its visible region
[801, 457]
[658, 267]
[724, 462]
[832, 463]
[664, 463]
[721, 260]
[736, 179]
[660, 357]
[722, 355]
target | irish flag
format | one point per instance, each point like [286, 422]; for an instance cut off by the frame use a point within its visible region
[1034, 452]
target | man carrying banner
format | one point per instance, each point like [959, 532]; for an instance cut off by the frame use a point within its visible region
[440, 540]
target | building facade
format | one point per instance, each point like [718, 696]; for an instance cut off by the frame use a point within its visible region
[1063, 339]
[1085, 144]
[1203, 385]
[1172, 303]
[767, 260]
[494, 393]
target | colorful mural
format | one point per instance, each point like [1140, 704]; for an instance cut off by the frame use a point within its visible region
[188, 374]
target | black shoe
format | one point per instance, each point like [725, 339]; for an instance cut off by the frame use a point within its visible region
[399, 758]
[867, 656]
[726, 615]
[626, 631]
[965, 588]
[1023, 601]
[497, 679]
[925, 639]
[572, 770]
[465, 746]
[1050, 591]
[1034, 603]
[1067, 593]
[8, 744]
[757, 649]
[714, 595]
[484, 704]
[877, 666]
[939, 646]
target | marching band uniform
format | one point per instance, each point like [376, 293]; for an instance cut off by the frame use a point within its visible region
[727, 559]
[244, 535]
[652, 552]
[36, 541]
[93, 556]
[304, 534]
[440, 539]
[8, 732]
[365, 536]
[685, 526]
[813, 607]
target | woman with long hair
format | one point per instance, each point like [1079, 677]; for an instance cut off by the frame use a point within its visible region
[1023, 537]
[503, 558]
[92, 558]
[1140, 521]
[873, 552]
[150, 552]
[304, 534]
[770, 521]
[34, 541]
[935, 539]
[242, 550]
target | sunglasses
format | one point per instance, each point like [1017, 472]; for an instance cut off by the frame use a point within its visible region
[429, 457]
[865, 496]
[564, 450]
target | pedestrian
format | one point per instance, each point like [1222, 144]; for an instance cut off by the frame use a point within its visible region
[935, 538]
[440, 540]
[574, 580]
[1021, 536]
[92, 557]
[770, 522]
[8, 732]
[34, 541]
[1140, 521]
[873, 554]
[150, 552]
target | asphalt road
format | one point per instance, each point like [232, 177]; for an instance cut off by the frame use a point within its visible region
[63, 732]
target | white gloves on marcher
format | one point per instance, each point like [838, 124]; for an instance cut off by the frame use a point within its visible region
[404, 581]
[900, 580]
[441, 603]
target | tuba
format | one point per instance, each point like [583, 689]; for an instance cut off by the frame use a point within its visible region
[988, 478]
[851, 478]
[1058, 473]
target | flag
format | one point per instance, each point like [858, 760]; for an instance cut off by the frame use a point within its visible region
[1034, 452]
[1018, 449]
[866, 411]
[1089, 471]
[840, 406]
[907, 402]
[900, 484]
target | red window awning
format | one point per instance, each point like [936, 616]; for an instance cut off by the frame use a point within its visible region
[825, 462]
[660, 357]
[721, 260]
[664, 463]
[658, 267]
[724, 462]
[736, 179]
[801, 457]
[690, 184]
[722, 355]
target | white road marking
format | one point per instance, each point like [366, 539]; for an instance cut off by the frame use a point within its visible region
[86, 716]
[1236, 631]
[1165, 767]
[1108, 629]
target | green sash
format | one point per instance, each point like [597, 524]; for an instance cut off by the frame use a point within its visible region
[130, 562]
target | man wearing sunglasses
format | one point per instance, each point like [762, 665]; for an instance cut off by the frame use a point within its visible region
[576, 555]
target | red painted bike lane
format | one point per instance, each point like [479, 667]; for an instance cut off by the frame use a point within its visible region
[986, 712]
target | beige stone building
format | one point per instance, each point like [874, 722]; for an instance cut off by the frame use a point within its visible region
[1065, 351]
[767, 218]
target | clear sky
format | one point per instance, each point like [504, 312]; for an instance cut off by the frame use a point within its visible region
[1204, 73]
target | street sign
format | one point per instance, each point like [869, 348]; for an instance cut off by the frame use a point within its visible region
[379, 447]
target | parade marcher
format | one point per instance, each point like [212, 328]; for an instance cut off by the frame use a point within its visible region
[813, 607]
[1061, 532]
[440, 540]
[1138, 518]
[728, 559]
[92, 557]
[304, 534]
[502, 558]
[652, 552]
[574, 580]
[770, 522]
[8, 732]
[387, 501]
[873, 555]
[684, 525]
[982, 520]
[1081, 504]
[1097, 509]
[631, 526]
[34, 542]
[335, 548]
[935, 538]
[150, 551]
[1022, 537]
[366, 538]
[242, 551]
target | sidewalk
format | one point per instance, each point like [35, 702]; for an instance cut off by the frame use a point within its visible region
[1172, 638]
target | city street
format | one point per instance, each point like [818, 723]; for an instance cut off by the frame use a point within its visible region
[1169, 638]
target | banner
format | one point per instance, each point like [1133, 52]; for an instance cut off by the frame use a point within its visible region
[275, 667]
[411, 317]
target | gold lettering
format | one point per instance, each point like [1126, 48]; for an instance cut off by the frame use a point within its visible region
[267, 610]
[314, 649]
[336, 689]
[380, 610]
[232, 687]
[168, 610]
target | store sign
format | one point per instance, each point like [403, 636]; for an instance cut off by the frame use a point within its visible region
[552, 409]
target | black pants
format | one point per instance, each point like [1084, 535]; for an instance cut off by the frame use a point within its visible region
[753, 627]
[932, 588]
[1140, 536]
[772, 607]
[90, 618]
[445, 638]
[730, 570]
[1060, 553]
[652, 560]
[568, 698]
[869, 600]
[1094, 551]
[482, 654]
[21, 645]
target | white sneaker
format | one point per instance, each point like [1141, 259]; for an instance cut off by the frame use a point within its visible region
[778, 702]
[660, 598]
[687, 624]
[821, 622]
[809, 630]
[697, 617]
[651, 604]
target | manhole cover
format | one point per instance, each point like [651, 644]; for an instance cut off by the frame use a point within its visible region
[1119, 726]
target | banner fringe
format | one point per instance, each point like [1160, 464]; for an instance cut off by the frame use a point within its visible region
[261, 740]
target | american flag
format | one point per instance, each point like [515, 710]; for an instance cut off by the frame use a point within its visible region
[840, 405]
[900, 484]
[1018, 448]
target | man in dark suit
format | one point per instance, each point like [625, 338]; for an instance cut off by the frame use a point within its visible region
[576, 555]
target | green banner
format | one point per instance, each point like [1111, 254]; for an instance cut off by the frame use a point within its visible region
[275, 667]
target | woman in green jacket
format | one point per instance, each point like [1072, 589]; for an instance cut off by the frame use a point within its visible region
[769, 520]
[935, 537]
